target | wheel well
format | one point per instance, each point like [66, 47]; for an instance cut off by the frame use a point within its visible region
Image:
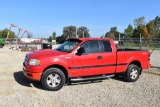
[63, 69]
[138, 64]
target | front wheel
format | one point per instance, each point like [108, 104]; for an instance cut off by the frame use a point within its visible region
[53, 79]
[132, 73]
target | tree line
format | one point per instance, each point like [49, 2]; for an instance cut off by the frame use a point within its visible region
[146, 30]
[150, 29]
[71, 32]
[4, 32]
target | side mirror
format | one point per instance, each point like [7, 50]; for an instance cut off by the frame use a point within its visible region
[80, 51]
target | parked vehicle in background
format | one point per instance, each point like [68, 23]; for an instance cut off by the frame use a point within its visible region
[83, 59]
[2, 43]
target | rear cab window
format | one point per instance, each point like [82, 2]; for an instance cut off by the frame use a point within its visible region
[107, 46]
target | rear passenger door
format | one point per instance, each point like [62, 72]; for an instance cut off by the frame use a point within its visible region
[109, 57]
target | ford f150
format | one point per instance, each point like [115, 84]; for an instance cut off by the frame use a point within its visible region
[81, 59]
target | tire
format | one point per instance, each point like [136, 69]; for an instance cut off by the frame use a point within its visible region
[132, 73]
[53, 79]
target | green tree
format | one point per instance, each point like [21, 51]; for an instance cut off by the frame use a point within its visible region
[157, 21]
[60, 39]
[136, 33]
[152, 30]
[144, 32]
[141, 30]
[139, 21]
[69, 31]
[50, 39]
[54, 35]
[113, 31]
[3, 34]
[83, 31]
[129, 31]
[110, 35]
[157, 24]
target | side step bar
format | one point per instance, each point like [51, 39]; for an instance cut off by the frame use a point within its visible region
[91, 78]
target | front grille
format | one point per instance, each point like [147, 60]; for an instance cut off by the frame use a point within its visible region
[26, 60]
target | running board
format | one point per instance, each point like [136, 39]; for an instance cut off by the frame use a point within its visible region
[91, 78]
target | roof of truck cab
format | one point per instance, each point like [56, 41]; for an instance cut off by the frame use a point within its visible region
[84, 39]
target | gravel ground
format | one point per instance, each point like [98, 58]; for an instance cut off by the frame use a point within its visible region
[17, 91]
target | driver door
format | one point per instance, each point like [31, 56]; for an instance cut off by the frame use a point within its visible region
[89, 62]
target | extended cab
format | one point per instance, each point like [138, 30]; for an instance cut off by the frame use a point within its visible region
[81, 59]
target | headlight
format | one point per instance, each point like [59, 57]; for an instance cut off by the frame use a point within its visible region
[34, 62]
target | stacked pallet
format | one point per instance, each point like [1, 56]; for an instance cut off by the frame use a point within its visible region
[28, 48]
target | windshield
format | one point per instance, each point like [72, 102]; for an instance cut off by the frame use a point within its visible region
[68, 46]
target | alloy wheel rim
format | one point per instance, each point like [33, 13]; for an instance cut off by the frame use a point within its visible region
[134, 73]
[53, 80]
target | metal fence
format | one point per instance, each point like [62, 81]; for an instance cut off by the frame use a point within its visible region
[135, 43]
[138, 43]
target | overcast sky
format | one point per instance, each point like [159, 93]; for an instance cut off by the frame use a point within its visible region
[42, 17]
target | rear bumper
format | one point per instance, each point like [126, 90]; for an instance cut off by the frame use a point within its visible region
[35, 76]
[147, 66]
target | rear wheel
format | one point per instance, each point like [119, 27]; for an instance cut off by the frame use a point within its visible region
[132, 73]
[53, 79]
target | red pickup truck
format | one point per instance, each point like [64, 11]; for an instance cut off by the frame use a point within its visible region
[80, 59]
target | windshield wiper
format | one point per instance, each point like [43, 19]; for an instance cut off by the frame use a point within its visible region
[66, 51]
[58, 49]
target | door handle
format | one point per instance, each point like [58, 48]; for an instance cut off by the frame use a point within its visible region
[99, 57]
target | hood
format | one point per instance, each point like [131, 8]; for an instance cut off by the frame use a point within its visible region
[45, 53]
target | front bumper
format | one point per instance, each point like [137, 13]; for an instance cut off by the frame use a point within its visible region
[31, 73]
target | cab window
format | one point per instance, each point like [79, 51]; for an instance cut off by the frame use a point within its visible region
[107, 46]
[91, 47]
